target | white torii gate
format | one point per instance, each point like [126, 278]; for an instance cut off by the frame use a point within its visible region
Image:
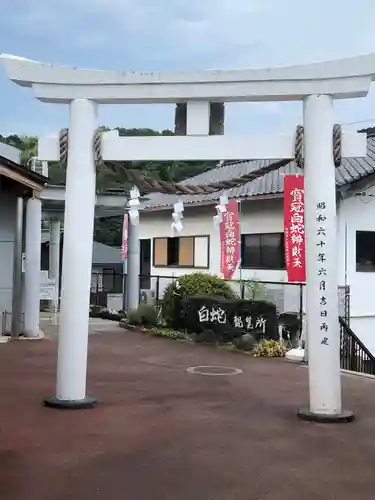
[317, 85]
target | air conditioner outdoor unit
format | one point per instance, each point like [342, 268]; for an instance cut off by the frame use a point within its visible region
[38, 166]
[148, 296]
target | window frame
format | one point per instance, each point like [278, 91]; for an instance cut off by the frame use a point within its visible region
[178, 266]
[261, 266]
[363, 270]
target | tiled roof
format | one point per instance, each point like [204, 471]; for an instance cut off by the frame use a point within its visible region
[272, 183]
[104, 254]
[101, 254]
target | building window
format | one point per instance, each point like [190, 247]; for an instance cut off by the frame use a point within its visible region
[186, 251]
[263, 251]
[365, 251]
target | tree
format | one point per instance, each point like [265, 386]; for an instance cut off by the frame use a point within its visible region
[29, 148]
[109, 231]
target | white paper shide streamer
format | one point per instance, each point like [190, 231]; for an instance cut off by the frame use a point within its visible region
[177, 216]
[134, 206]
[220, 210]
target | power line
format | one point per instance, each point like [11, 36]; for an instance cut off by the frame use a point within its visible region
[359, 121]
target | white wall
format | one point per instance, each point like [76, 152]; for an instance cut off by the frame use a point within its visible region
[357, 213]
[8, 210]
[256, 217]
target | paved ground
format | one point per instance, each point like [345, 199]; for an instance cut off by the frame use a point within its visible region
[49, 324]
[163, 434]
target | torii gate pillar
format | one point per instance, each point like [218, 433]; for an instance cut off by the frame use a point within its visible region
[316, 85]
[321, 264]
[77, 258]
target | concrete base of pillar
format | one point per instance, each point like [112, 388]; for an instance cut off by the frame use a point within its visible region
[295, 355]
[32, 335]
[344, 417]
[3, 339]
[70, 404]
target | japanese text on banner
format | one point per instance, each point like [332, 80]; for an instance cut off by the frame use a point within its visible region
[229, 241]
[294, 227]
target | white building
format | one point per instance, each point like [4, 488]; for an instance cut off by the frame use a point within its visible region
[23, 191]
[20, 189]
[262, 223]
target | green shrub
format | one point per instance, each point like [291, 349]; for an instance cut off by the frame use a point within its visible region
[191, 285]
[169, 333]
[269, 348]
[145, 315]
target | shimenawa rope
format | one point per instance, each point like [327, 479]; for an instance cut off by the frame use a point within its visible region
[148, 184]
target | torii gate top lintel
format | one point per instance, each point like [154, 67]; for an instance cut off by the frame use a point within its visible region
[343, 78]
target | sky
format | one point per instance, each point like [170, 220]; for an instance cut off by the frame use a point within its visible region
[144, 35]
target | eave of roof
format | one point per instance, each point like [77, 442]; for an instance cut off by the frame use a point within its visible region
[25, 172]
[269, 185]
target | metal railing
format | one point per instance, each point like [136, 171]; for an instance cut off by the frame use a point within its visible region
[354, 355]
[105, 283]
[288, 297]
[108, 281]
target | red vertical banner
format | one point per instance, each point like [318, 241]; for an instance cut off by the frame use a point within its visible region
[124, 244]
[229, 241]
[294, 227]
